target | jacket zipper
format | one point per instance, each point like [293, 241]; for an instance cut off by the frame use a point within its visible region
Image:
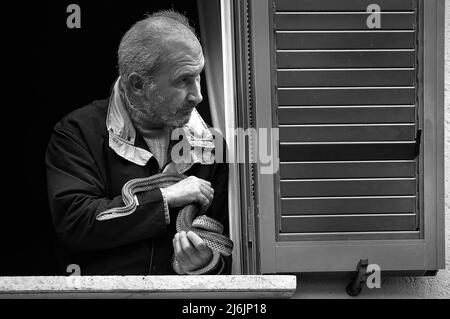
[153, 240]
[151, 259]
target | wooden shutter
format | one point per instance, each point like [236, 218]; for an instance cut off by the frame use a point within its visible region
[350, 102]
[347, 113]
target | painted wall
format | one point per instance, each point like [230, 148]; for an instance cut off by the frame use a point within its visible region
[332, 286]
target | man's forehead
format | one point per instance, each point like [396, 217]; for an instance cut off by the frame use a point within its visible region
[187, 68]
[186, 42]
[184, 52]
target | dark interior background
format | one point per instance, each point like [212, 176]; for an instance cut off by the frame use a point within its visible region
[51, 71]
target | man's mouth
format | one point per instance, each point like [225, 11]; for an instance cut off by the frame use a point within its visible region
[187, 110]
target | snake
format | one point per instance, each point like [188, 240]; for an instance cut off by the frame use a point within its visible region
[207, 228]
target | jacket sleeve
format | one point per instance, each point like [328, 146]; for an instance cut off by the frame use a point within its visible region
[77, 195]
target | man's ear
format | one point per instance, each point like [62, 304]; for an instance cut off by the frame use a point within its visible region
[136, 84]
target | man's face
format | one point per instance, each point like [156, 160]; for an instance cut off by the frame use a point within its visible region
[175, 89]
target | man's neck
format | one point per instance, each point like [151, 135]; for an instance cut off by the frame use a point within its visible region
[156, 132]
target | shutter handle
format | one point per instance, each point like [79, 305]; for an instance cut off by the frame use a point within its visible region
[355, 286]
[417, 144]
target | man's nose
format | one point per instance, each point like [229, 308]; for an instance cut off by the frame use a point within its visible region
[195, 93]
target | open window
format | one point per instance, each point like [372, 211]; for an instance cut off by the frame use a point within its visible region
[359, 112]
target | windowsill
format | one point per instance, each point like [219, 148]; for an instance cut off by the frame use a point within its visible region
[176, 287]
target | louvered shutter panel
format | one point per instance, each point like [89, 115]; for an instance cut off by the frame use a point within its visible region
[348, 119]
[356, 179]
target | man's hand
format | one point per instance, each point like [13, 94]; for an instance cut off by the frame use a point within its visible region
[191, 251]
[190, 190]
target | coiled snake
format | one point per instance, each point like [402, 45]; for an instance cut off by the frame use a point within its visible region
[208, 229]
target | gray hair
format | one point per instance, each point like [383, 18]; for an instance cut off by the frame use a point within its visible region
[140, 49]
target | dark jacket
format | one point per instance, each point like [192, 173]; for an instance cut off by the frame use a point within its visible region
[85, 177]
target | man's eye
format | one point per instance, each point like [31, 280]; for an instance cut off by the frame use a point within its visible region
[189, 79]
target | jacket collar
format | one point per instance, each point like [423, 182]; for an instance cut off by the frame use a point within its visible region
[122, 136]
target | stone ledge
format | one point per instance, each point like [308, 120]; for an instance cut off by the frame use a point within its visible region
[236, 287]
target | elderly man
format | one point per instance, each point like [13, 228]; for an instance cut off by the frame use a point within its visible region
[96, 150]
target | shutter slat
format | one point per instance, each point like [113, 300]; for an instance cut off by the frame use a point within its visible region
[353, 40]
[346, 115]
[365, 235]
[322, 188]
[343, 205]
[346, 59]
[347, 169]
[347, 152]
[342, 5]
[347, 133]
[373, 96]
[346, 78]
[389, 21]
[348, 223]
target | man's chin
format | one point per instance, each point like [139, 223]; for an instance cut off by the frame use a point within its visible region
[179, 123]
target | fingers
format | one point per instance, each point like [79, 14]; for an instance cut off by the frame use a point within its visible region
[197, 180]
[191, 251]
[202, 200]
[208, 192]
[203, 181]
[186, 246]
[198, 243]
[202, 254]
[206, 189]
[191, 189]
[180, 255]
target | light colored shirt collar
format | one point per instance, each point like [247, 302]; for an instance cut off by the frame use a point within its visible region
[122, 136]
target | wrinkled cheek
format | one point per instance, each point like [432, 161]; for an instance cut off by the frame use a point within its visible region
[169, 114]
[177, 107]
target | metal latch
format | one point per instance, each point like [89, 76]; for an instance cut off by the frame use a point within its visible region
[355, 286]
